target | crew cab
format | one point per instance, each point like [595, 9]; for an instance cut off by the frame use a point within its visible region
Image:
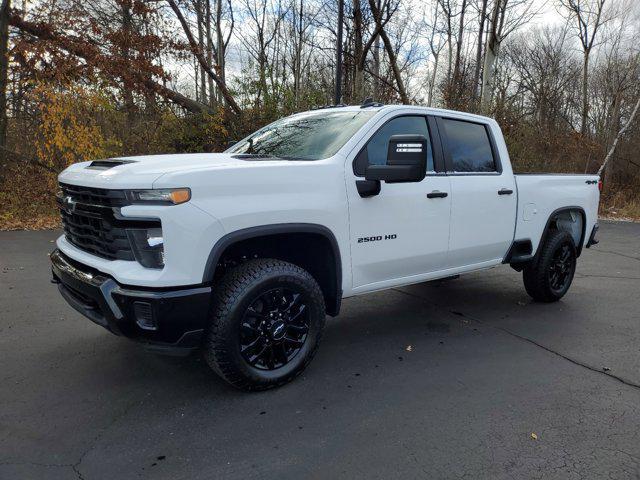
[242, 254]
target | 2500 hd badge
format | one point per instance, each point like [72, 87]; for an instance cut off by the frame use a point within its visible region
[390, 236]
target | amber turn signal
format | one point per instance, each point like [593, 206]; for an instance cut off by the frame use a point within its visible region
[180, 195]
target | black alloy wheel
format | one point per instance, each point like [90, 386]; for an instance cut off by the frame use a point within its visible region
[561, 268]
[274, 328]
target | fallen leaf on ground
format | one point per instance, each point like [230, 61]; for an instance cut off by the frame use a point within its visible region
[534, 436]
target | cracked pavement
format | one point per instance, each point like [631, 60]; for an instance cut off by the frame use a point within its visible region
[486, 368]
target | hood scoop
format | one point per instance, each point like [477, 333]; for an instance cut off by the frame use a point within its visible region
[107, 164]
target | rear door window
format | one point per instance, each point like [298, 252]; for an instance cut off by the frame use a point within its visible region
[469, 146]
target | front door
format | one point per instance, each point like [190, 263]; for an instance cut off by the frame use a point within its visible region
[404, 230]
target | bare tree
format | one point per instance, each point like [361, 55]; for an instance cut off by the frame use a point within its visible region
[378, 17]
[202, 60]
[264, 21]
[501, 25]
[588, 17]
[436, 44]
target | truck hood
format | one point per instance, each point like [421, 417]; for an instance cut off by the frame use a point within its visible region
[143, 171]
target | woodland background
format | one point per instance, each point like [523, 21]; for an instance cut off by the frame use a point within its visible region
[101, 78]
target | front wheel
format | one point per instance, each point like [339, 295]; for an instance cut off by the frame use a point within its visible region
[266, 324]
[549, 277]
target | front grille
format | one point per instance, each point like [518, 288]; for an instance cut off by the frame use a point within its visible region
[90, 223]
[94, 196]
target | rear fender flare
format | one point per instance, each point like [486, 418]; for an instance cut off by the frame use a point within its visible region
[552, 216]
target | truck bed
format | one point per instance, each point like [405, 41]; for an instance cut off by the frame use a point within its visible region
[540, 195]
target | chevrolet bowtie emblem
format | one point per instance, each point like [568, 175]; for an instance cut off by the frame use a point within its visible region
[69, 204]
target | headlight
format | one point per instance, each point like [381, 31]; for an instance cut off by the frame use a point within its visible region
[148, 246]
[161, 196]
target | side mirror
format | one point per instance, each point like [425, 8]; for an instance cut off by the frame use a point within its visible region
[406, 160]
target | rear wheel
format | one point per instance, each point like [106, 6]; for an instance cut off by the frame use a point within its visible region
[266, 324]
[549, 277]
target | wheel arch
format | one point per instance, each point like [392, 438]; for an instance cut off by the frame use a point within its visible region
[322, 257]
[552, 223]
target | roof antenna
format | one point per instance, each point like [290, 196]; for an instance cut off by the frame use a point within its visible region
[368, 102]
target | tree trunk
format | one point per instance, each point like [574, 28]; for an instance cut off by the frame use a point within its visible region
[476, 75]
[297, 61]
[212, 96]
[490, 55]
[129, 104]
[4, 67]
[585, 94]
[376, 63]
[358, 51]
[220, 47]
[390, 52]
[432, 83]
[203, 76]
[488, 76]
[617, 139]
[198, 54]
[456, 68]
[614, 128]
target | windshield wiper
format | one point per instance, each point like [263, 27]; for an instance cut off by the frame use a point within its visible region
[252, 155]
[266, 156]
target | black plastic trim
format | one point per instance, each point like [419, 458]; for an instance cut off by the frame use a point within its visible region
[180, 313]
[436, 145]
[437, 194]
[368, 188]
[520, 251]
[277, 229]
[550, 219]
[592, 238]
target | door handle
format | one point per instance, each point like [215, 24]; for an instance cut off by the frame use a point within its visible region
[505, 191]
[437, 194]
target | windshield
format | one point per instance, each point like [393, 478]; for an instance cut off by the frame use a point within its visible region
[310, 136]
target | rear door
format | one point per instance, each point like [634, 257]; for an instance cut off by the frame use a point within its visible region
[483, 193]
[402, 231]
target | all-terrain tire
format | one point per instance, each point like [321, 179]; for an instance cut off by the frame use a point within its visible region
[238, 291]
[538, 276]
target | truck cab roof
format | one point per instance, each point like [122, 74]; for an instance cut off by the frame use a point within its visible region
[377, 107]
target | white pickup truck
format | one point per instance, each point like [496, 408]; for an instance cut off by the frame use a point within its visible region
[242, 253]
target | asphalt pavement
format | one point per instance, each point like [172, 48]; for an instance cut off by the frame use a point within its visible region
[459, 379]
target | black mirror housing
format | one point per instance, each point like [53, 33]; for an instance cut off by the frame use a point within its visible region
[406, 160]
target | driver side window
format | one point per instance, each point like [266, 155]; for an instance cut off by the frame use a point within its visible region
[375, 151]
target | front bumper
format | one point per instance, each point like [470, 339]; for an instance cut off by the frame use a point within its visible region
[165, 320]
